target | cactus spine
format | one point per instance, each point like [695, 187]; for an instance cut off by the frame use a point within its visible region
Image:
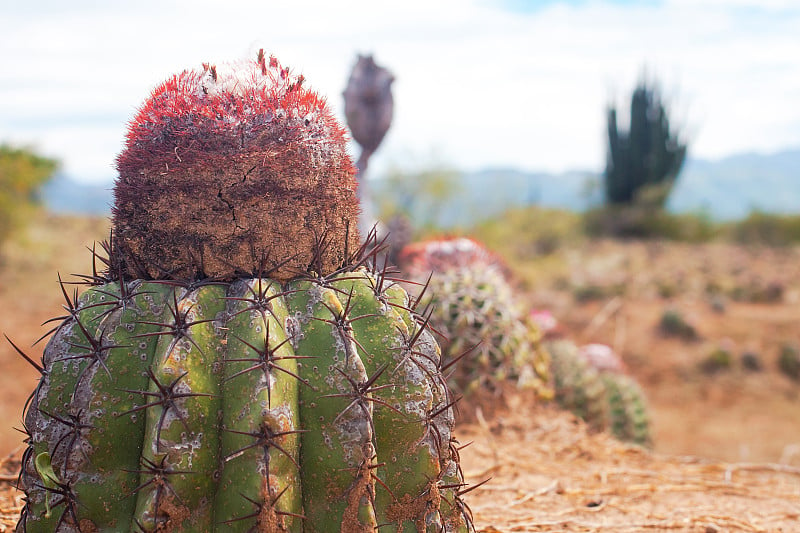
[256, 377]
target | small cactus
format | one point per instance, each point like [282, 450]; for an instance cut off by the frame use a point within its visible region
[629, 418]
[578, 386]
[233, 366]
[473, 306]
[591, 383]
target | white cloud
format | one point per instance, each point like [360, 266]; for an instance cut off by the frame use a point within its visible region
[482, 85]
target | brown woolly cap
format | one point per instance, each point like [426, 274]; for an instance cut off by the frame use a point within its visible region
[234, 171]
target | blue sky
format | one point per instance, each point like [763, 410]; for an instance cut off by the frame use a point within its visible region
[479, 82]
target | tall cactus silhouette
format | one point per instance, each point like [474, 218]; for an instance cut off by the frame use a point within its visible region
[645, 161]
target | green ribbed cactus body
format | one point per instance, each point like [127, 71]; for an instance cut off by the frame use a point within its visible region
[243, 406]
[628, 412]
[578, 386]
[604, 399]
[475, 309]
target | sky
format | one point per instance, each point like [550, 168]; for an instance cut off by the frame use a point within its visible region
[479, 83]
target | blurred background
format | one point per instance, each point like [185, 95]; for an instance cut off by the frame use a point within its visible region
[635, 164]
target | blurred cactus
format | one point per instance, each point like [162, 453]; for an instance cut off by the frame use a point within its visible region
[627, 409]
[547, 323]
[474, 308]
[603, 358]
[578, 387]
[591, 383]
[399, 232]
[368, 108]
[643, 164]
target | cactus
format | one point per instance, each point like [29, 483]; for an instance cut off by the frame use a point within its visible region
[473, 306]
[577, 385]
[368, 109]
[627, 409]
[233, 365]
[643, 164]
[590, 383]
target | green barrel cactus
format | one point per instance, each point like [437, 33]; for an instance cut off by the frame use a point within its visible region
[234, 365]
[473, 306]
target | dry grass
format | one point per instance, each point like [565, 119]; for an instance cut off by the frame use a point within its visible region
[29, 294]
[11, 502]
[548, 473]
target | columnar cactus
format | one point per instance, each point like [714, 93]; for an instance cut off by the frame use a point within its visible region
[473, 307]
[649, 155]
[235, 367]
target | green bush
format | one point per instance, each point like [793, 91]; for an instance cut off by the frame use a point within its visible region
[22, 173]
[674, 324]
[646, 222]
[530, 231]
[766, 228]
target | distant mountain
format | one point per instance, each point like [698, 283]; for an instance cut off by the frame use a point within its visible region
[486, 193]
[725, 189]
[62, 194]
[731, 188]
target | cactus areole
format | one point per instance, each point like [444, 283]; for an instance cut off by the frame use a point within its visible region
[235, 366]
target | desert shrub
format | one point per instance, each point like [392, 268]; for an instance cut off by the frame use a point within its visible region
[789, 360]
[646, 222]
[591, 292]
[531, 230]
[766, 228]
[718, 360]
[674, 324]
[751, 361]
[22, 173]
